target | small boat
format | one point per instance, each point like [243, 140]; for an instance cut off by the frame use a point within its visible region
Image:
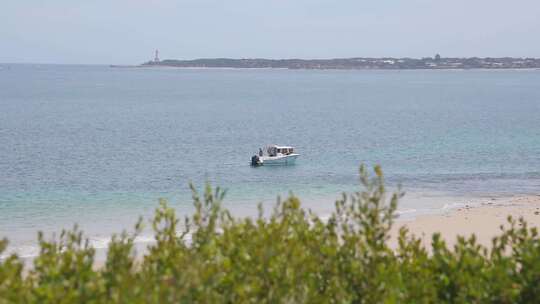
[275, 155]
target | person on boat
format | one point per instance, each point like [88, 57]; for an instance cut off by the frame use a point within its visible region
[260, 152]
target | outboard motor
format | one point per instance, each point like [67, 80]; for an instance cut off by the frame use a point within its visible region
[256, 161]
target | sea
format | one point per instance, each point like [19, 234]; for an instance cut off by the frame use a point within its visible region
[98, 146]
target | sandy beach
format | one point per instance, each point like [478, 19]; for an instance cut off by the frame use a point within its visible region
[483, 218]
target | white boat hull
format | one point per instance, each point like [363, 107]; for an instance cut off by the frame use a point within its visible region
[279, 160]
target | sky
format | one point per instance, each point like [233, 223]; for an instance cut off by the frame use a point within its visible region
[128, 31]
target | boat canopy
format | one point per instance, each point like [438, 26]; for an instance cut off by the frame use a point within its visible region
[274, 150]
[283, 147]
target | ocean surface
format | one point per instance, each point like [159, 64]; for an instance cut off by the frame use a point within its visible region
[98, 146]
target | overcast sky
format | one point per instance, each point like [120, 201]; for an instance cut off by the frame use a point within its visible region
[128, 31]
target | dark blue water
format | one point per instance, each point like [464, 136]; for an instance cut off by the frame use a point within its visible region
[98, 145]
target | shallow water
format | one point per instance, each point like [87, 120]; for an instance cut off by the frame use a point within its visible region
[98, 145]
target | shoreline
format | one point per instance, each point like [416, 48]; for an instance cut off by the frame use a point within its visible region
[172, 67]
[482, 218]
[423, 213]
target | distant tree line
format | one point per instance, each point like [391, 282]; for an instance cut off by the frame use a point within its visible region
[436, 62]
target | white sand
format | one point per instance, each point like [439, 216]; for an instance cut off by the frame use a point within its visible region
[483, 220]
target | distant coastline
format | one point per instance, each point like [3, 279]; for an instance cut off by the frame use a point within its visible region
[386, 63]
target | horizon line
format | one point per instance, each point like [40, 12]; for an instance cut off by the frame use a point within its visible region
[268, 58]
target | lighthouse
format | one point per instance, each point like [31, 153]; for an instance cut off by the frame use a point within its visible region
[156, 57]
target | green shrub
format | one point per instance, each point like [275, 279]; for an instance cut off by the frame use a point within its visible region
[289, 256]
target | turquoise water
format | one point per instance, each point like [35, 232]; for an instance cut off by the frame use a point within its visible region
[98, 145]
